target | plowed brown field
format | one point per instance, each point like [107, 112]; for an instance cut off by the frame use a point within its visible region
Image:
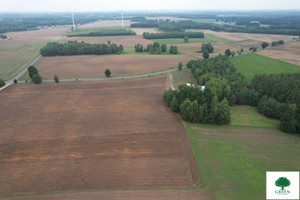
[91, 135]
[88, 66]
[288, 52]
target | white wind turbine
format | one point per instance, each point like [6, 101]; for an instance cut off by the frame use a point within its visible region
[73, 21]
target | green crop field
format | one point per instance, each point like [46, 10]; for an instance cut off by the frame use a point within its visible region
[233, 160]
[252, 64]
[207, 38]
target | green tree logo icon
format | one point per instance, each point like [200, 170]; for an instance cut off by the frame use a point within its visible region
[282, 182]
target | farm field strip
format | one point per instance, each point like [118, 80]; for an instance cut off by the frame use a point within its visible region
[91, 66]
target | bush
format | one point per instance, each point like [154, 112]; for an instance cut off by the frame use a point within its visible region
[15, 81]
[264, 45]
[107, 73]
[36, 79]
[2, 83]
[56, 79]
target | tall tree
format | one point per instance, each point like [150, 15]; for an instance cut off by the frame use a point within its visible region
[56, 79]
[227, 52]
[205, 54]
[180, 66]
[186, 39]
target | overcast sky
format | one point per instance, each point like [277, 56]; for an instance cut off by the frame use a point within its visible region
[109, 5]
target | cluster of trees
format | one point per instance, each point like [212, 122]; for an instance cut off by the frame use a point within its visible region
[281, 98]
[34, 74]
[100, 32]
[220, 76]
[207, 47]
[156, 48]
[76, 48]
[173, 49]
[275, 43]
[194, 105]
[173, 35]
[2, 83]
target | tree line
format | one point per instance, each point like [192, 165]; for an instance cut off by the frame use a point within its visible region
[100, 32]
[156, 48]
[173, 35]
[280, 98]
[79, 48]
[182, 25]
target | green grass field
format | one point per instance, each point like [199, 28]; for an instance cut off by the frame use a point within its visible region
[252, 64]
[248, 116]
[233, 160]
[182, 77]
[207, 38]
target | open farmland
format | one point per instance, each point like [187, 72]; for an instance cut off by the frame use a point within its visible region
[92, 135]
[17, 52]
[252, 64]
[88, 66]
[107, 23]
[288, 52]
[248, 36]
